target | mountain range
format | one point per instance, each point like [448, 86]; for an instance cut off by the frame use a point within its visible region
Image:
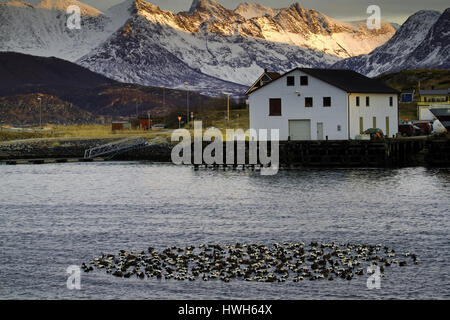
[422, 42]
[212, 49]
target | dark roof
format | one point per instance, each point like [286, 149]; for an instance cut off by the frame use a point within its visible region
[272, 75]
[436, 92]
[347, 80]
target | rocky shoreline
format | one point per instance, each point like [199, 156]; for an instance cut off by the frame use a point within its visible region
[74, 148]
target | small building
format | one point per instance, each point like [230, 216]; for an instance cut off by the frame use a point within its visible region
[439, 95]
[120, 125]
[316, 104]
[145, 122]
[430, 99]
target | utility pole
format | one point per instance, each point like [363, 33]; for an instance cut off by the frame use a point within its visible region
[228, 106]
[164, 103]
[187, 104]
[164, 96]
[149, 121]
[40, 112]
[137, 109]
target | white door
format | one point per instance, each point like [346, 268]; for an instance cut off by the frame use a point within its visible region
[319, 131]
[300, 129]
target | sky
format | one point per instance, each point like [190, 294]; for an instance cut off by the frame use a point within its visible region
[349, 10]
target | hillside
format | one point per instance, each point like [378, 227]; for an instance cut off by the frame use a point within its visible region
[20, 71]
[409, 79]
[73, 94]
[439, 79]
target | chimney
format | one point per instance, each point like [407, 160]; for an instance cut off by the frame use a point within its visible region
[265, 70]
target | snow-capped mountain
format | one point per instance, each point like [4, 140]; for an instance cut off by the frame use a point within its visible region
[421, 42]
[157, 47]
[254, 10]
[434, 50]
[42, 29]
[62, 5]
[213, 48]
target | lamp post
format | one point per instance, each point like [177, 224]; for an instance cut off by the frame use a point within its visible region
[39, 99]
[187, 103]
[179, 122]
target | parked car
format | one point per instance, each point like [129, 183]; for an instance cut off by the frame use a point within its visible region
[406, 130]
[425, 127]
[375, 133]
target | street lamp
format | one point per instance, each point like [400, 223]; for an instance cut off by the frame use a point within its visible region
[179, 122]
[39, 99]
[187, 103]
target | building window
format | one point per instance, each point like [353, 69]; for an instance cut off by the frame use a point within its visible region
[327, 101]
[303, 80]
[391, 101]
[367, 101]
[374, 122]
[357, 101]
[361, 125]
[290, 81]
[275, 107]
[308, 102]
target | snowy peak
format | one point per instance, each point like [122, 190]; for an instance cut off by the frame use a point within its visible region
[62, 5]
[205, 5]
[254, 10]
[209, 10]
[297, 17]
[421, 42]
[434, 51]
[411, 33]
[16, 3]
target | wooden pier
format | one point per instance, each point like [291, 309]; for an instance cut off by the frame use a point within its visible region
[429, 152]
[386, 153]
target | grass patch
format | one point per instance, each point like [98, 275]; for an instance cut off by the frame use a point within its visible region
[407, 111]
[239, 119]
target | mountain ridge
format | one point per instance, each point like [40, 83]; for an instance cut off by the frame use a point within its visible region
[219, 43]
[409, 48]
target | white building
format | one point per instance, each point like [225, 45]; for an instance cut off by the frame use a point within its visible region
[313, 104]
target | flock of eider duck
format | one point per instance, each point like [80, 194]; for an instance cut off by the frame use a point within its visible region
[252, 262]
